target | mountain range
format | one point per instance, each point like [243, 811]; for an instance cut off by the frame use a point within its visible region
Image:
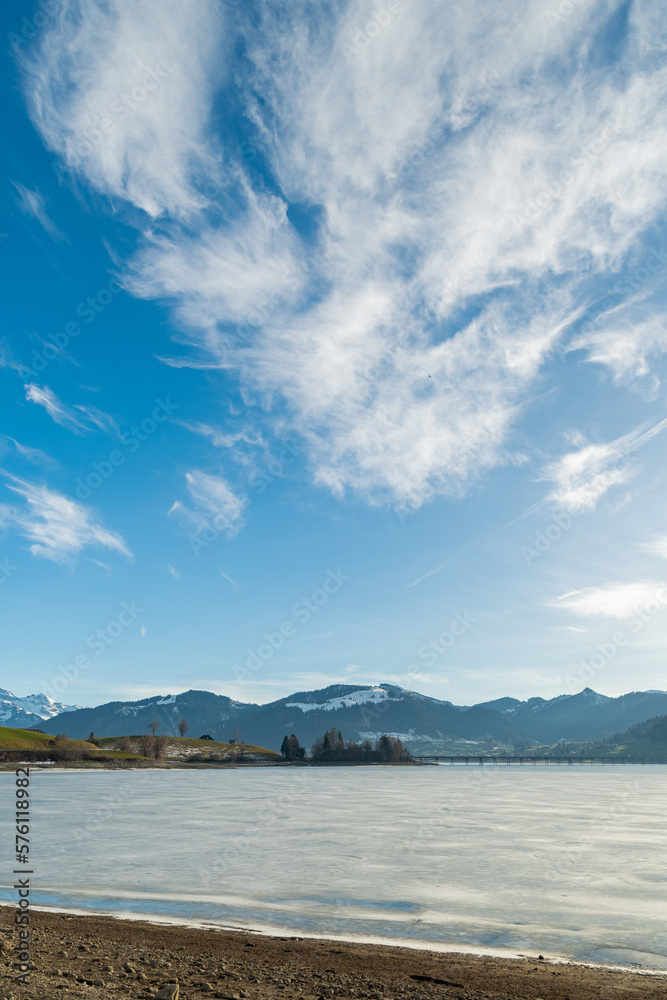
[358, 711]
[25, 713]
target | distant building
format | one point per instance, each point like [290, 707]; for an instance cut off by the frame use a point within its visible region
[206, 737]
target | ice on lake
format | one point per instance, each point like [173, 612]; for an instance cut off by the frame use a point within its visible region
[556, 861]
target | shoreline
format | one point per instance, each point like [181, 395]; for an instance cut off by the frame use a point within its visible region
[79, 954]
[435, 947]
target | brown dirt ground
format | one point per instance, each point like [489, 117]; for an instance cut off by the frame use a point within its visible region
[94, 958]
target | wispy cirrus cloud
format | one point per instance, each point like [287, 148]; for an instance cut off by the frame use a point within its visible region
[614, 600]
[59, 412]
[242, 445]
[67, 416]
[58, 528]
[32, 203]
[657, 547]
[214, 504]
[583, 477]
[426, 240]
[33, 455]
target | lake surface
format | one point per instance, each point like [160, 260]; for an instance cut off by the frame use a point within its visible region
[540, 860]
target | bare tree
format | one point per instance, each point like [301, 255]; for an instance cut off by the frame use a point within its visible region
[154, 725]
[183, 727]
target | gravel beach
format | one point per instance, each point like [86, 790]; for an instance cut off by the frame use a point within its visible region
[92, 958]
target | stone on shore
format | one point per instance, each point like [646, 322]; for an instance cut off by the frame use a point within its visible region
[169, 992]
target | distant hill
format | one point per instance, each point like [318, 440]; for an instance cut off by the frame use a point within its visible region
[361, 711]
[654, 729]
[583, 716]
[357, 711]
[206, 713]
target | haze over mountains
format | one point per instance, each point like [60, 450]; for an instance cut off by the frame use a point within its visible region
[358, 711]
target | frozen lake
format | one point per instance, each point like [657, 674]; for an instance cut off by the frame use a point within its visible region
[556, 861]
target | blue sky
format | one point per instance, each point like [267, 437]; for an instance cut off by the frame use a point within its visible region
[343, 318]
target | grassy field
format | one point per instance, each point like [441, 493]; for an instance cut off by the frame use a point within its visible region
[23, 739]
[182, 749]
[649, 749]
[177, 750]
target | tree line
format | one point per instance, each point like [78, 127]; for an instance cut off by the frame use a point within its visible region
[332, 748]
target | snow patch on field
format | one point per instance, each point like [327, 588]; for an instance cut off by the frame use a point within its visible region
[397, 736]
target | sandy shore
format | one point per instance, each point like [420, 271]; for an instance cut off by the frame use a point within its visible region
[100, 957]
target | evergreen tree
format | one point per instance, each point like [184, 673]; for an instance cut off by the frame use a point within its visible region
[291, 749]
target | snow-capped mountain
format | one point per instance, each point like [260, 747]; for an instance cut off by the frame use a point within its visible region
[29, 712]
[356, 710]
[363, 697]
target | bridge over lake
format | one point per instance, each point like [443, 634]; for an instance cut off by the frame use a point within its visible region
[511, 759]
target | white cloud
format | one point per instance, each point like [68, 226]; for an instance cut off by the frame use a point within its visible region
[614, 600]
[215, 505]
[101, 420]
[124, 96]
[624, 347]
[33, 455]
[58, 528]
[57, 410]
[64, 415]
[102, 565]
[229, 580]
[584, 476]
[657, 547]
[462, 213]
[32, 203]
